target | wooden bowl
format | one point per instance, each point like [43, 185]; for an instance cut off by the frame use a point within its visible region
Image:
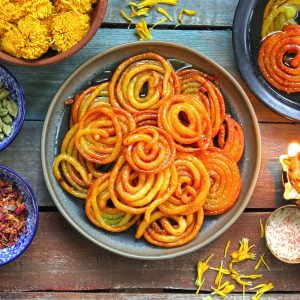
[52, 57]
[273, 215]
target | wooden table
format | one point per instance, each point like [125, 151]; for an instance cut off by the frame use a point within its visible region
[60, 263]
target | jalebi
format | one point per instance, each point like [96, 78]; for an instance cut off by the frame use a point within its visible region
[162, 232]
[197, 83]
[187, 121]
[131, 76]
[231, 138]
[280, 70]
[100, 133]
[149, 150]
[192, 187]
[100, 213]
[225, 181]
[139, 193]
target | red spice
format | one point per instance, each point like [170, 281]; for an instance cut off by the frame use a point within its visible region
[13, 214]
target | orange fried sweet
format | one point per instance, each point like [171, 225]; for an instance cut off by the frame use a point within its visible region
[231, 138]
[131, 77]
[170, 231]
[137, 192]
[100, 133]
[279, 59]
[187, 121]
[225, 181]
[195, 82]
[149, 150]
[192, 187]
[101, 213]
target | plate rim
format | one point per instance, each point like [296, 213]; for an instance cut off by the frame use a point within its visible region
[240, 33]
[250, 188]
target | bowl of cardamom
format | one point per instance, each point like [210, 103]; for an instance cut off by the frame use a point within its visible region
[12, 107]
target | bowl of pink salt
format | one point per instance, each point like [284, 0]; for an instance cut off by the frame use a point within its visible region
[282, 233]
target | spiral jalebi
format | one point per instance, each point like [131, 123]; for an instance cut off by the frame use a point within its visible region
[187, 121]
[149, 150]
[280, 70]
[74, 176]
[131, 76]
[101, 213]
[161, 231]
[100, 134]
[194, 82]
[139, 193]
[225, 181]
[88, 99]
[231, 138]
[192, 187]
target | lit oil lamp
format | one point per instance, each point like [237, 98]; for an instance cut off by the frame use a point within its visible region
[291, 173]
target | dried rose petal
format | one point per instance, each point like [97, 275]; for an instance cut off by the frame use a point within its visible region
[12, 214]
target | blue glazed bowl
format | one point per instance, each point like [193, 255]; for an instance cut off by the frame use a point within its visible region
[9, 254]
[17, 94]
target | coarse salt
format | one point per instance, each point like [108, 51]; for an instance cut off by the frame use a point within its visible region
[283, 233]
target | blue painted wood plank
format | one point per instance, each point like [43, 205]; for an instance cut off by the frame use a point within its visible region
[40, 84]
[209, 12]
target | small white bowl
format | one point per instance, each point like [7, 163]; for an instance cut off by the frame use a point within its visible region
[273, 216]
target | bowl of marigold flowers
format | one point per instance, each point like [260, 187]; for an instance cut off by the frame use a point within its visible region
[43, 32]
[18, 215]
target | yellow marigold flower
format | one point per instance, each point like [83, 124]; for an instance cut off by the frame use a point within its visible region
[68, 29]
[29, 39]
[4, 26]
[9, 12]
[38, 9]
[80, 6]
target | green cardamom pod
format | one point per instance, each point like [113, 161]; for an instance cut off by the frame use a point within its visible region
[7, 119]
[6, 129]
[12, 107]
[4, 94]
[3, 112]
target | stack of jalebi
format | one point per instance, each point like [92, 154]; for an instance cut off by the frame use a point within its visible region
[279, 59]
[152, 130]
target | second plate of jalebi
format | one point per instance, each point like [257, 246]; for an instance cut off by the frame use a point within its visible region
[151, 150]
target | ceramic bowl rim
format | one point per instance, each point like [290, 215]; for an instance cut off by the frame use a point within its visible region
[287, 261]
[197, 54]
[8, 140]
[241, 49]
[36, 212]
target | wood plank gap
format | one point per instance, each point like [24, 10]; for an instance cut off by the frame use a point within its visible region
[48, 209]
[167, 26]
[258, 210]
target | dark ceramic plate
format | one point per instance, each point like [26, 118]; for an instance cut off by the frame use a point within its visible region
[247, 26]
[99, 68]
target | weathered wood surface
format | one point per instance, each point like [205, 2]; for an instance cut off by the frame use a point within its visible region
[131, 296]
[267, 194]
[41, 84]
[209, 13]
[60, 259]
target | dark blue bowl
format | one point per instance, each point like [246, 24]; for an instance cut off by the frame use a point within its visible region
[17, 94]
[9, 254]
